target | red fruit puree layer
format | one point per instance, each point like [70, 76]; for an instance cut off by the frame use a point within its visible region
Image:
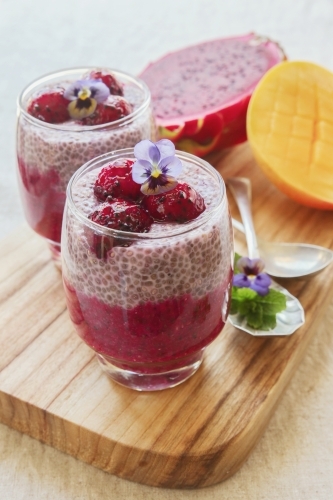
[166, 331]
[42, 201]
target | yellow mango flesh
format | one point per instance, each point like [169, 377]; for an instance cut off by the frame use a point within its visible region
[290, 131]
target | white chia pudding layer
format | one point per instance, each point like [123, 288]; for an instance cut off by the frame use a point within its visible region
[66, 147]
[194, 262]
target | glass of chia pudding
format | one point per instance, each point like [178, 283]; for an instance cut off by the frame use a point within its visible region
[64, 120]
[147, 272]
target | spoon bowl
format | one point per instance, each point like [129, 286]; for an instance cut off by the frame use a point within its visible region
[282, 260]
[291, 260]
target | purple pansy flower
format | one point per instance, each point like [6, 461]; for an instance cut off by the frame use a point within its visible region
[84, 96]
[156, 167]
[251, 276]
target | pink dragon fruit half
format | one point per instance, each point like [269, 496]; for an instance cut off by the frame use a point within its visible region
[200, 94]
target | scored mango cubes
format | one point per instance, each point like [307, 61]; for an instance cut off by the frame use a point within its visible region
[290, 131]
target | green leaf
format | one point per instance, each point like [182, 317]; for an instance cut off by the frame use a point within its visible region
[246, 294]
[254, 316]
[241, 300]
[236, 259]
[268, 322]
[274, 302]
[244, 307]
[233, 307]
[234, 304]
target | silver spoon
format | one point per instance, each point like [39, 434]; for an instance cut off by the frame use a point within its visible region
[282, 260]
[287, 321]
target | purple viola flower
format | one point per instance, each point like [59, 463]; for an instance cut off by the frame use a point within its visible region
[251, 276]
[84, 96]
[156, 167]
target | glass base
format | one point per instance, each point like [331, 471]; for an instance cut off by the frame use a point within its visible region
[55, 253]
[150, 381]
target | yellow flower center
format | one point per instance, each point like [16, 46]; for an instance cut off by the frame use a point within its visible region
[155, 172]
[84, 93]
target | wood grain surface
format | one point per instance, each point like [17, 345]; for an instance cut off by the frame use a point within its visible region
[194, 435]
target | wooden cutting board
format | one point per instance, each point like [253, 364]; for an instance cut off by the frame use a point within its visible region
[194, 435]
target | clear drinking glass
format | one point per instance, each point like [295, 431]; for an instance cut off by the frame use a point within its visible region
[148, 303]
[48, 154]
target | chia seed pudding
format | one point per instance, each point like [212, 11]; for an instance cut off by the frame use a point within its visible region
[156, 300]
[48, 154]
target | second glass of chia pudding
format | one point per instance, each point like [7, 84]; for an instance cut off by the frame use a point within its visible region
[147, 254]
[64, 120]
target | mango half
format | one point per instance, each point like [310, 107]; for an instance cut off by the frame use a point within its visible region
[290, 130]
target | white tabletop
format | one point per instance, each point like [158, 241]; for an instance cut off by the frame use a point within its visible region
[294, 459]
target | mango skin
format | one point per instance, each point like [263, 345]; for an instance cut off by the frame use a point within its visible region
[290, 131]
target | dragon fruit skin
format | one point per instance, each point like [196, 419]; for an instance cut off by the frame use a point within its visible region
[202, 131]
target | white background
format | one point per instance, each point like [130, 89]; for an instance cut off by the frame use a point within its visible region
[294, 459]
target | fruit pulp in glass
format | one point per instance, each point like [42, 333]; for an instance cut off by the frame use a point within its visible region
[49, 153]
[152, 302]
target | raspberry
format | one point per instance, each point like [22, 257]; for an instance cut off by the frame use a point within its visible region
[181, 204]
[122, 215]
[109, 80]
[113, 109]
[115, 181]
[50, 107]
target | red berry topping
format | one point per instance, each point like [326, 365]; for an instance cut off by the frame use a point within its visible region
[113, 109]
[115, 181]
[50, 107]
[122, 215]
[181, 204]
[109, 80]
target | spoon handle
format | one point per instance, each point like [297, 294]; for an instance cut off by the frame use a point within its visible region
[240, 188]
